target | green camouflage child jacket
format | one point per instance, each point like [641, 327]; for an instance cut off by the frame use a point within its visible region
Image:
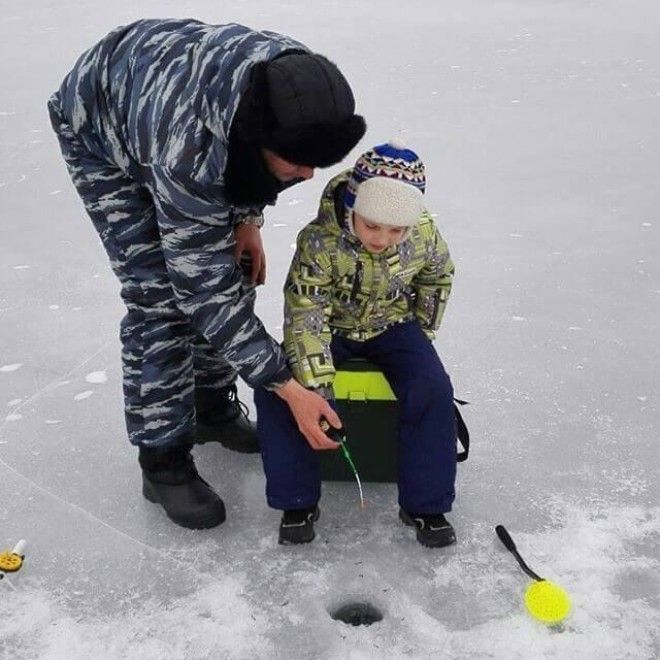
[335, 286]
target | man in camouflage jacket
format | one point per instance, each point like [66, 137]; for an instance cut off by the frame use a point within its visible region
[176, 134]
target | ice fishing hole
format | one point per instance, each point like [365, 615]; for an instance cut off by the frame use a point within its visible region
[357, 614]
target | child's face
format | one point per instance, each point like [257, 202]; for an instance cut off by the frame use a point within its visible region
[376, 237]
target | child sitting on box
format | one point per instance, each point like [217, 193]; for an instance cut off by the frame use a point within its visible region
[370, 278]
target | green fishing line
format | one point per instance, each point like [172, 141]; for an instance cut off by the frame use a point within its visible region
[347, 456]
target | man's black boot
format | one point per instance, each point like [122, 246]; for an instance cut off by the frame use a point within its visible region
[169, 478]
[222, 418]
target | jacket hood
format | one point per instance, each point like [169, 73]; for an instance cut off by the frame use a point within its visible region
[225, 80]
[185, 127]
[331, 215]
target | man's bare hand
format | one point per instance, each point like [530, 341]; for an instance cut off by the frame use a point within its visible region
[248, 239]
[308, 409]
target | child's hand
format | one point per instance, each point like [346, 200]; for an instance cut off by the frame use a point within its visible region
[308, 409]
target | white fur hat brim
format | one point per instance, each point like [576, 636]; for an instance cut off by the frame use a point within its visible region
[389, 202]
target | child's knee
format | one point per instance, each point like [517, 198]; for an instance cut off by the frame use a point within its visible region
[425, 393]
[272, 412]
[442, 388]
[260, 396]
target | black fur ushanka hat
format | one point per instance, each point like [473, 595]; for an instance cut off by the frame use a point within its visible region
[300, 106]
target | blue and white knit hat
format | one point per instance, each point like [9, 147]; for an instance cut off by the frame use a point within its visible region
[387, 186]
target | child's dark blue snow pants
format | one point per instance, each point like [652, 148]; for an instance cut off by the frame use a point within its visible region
[427, 427]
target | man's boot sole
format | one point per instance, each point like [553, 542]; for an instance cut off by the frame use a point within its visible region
[206, 522]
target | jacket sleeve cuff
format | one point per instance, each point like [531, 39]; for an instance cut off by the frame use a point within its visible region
[325, 391]
[282, 377]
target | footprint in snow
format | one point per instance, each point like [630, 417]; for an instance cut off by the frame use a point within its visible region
[96, 377]
[11, 367]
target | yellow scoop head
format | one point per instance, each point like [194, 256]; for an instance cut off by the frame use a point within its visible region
[547, 602]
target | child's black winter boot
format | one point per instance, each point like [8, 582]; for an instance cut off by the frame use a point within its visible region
[297, 526]
[433, 530]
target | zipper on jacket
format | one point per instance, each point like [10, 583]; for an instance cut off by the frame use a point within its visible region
[377, 264]
[357, 281]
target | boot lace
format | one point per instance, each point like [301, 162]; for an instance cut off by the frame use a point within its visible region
[232, 396]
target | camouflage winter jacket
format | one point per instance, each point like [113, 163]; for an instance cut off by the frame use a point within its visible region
[156, 98]
[335, 286]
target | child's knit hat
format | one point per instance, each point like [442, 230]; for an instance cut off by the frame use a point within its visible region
[387, 186]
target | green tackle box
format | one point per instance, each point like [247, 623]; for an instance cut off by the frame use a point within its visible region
[369, 410]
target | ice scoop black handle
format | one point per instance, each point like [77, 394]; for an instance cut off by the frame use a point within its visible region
[504, 536]
[506, 539]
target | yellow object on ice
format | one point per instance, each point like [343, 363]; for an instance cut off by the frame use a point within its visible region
[547, 602]
[10, 561]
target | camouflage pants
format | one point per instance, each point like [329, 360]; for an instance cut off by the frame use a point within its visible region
[164, 359]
